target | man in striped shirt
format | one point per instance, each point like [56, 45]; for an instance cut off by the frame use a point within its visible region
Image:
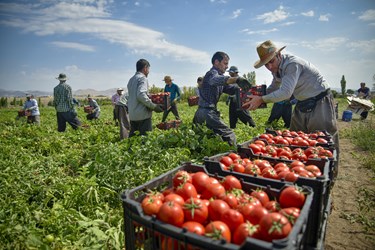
[63, 103]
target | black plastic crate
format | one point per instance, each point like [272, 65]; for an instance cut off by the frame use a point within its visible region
[145, 232]
[320, 186]
[242, 97]
[162, 99]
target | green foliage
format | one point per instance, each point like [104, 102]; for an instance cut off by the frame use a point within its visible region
[3, 102]
[154, 89]
[251, 77]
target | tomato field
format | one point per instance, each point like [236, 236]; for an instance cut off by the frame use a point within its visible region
[61, 190]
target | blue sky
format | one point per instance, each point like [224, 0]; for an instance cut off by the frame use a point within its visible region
[97, 43]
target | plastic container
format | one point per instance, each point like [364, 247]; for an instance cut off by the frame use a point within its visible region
[193, 100]
[347, 115]
[320, 186]
[242, 97]
[145, 232]
[169, 124]
[162, 99]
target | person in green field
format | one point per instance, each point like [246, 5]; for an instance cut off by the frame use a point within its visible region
[63, 103]
[175, 95]
[95, 111]
[31, 105]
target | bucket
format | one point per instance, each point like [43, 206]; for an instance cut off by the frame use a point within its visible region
[347, 116]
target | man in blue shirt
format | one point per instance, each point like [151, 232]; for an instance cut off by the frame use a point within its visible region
[175, 95]
[214, 84]
[63, 103]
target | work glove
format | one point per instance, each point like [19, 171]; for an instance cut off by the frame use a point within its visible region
[158, 109]
[243, 83]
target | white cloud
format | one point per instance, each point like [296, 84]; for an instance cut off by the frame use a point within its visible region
[326, 44]
[275, 16]
[308, 13]
[324, 18]
[367, 46]
[236, 13]
[287, 23]
[368, 15]
[261, 32]
[67, 18]
[77, 46]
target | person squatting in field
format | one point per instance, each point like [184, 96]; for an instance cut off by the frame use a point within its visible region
[315, 109]
[234, 114]
[32, 105]
[63, 103]
[95, 111]
[175, 95]
[364, 92]
[139, 104]
[214, 84]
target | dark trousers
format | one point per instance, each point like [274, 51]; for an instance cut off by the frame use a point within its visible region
[142, 126]
[235, 114]
[174, 110]
[34, 119]
[364, 115]
[281, 110]
[211, 117]
[93, 116]
[67, 117]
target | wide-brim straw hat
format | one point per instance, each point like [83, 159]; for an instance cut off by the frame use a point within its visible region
[62, 77]
[266, 51]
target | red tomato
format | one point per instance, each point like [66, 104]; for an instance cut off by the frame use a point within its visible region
[234, 156]
[232, 218]
[186, 191]
[271, 150]
[256, 214]
[213, 190]
[297, 163]
[175, 198]
[262, 164]
[195, 210]
[218, 230]
[181, 177]
[156, 195]
[172, 213]
[245, 230]
[194, 227]
[256, 148]
[216, 209]
[260, 142]
[261, 195]
[313, 169]
[272, 206]
[200, 180]
[238, 167]
[326, 153]
[282, 174]
[151, 205]
[247, 198]
[226, 160]
[269, 173]
[292, 196]
[230, 182]
[322, 141]
[274, 226]
[231, 199]
[291, 213]
[252, 169]
[245, 209]
[281, 166]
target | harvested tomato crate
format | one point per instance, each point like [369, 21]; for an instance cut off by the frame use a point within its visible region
[169, 124]
[193, 100]
[242, 97]
[147, 232]
[87, 109]
[162, 99]
[22, 113]
[320, 186]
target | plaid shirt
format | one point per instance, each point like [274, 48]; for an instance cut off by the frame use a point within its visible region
[62, 98]
[214, 84]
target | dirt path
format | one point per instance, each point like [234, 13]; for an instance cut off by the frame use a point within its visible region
[341, 233]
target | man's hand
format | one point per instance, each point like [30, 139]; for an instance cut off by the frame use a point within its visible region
[243, 83]
[254, 103]
[158, 109]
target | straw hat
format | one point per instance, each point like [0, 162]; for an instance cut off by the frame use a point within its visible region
[266, 51]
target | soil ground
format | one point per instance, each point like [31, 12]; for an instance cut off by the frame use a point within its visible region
[341, 233]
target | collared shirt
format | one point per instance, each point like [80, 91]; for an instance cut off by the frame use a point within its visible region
[62, 98]
[32, 105]
[94, 105]
[295, 77]
[115, 99]
[123, 101]
[174, 90]
[139, 104]
[214, 84]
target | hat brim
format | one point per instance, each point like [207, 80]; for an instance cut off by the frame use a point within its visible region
[263, 62]
[61, 79]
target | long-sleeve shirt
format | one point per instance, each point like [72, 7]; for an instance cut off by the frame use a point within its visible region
[139, 104]
[174, 90]
[62, 98]
[94, 105]
[214, 84]
[123, 101]
[32, 105]
[295, 77]
[364, 92]
[115, 99]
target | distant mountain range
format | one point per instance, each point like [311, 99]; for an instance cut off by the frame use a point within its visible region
[37, 93]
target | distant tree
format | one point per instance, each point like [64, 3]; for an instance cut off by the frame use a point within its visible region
[154, 89]
[14, 101]
[343, 85]
[4, 102]
[40, 102]
[350, 92]
[334, 93]
[250, 76]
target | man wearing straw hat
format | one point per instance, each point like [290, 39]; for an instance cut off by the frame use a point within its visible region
[315, 109]
[63, 103]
